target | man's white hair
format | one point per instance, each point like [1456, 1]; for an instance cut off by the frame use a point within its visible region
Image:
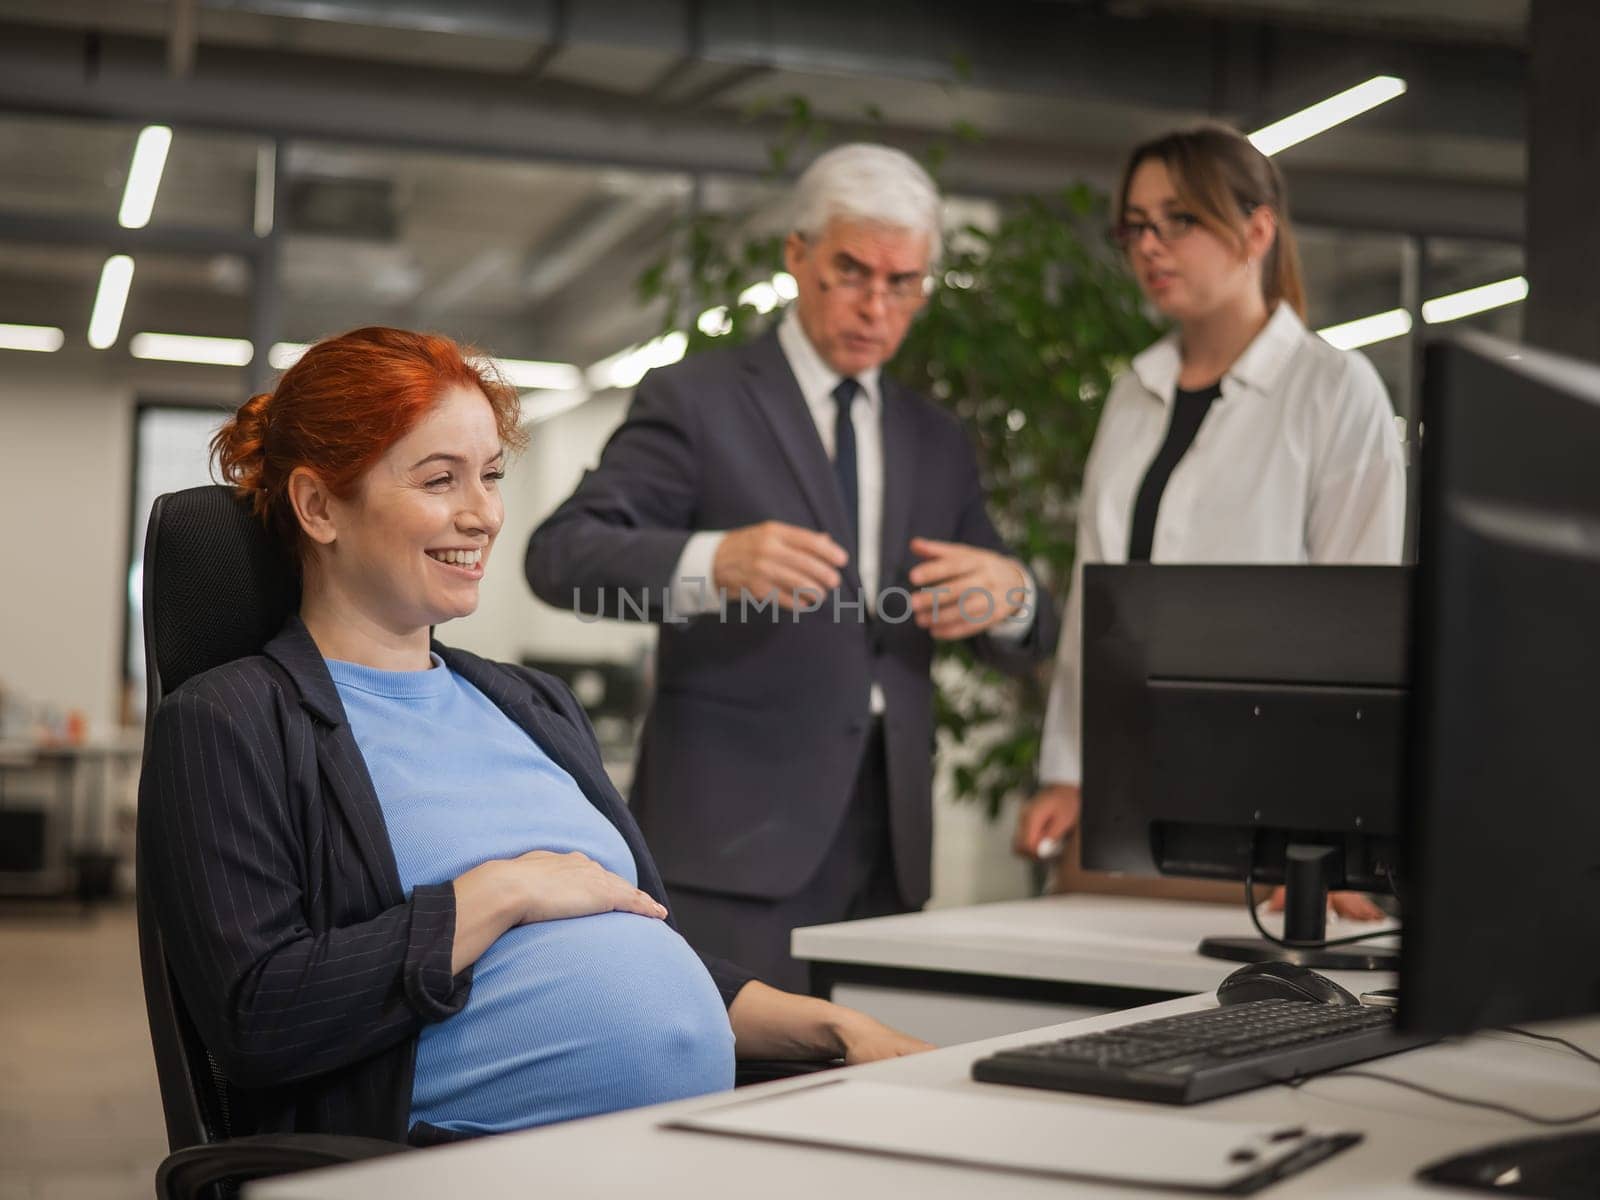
[866, 182]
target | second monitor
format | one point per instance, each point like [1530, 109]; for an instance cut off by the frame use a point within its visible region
[1247, 723]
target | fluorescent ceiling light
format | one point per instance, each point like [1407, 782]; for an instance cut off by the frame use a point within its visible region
[1382, 326]
[525, 373]
[284, 355]
[266, 185]
[1475, 300]
[45, 339]
[624, 370]
[1325, 114]
[106, 319]
[1377, 328]
[144, 176]
[189, 348]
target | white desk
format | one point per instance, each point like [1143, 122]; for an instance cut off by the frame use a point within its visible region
[628, 1154]
[958, 974]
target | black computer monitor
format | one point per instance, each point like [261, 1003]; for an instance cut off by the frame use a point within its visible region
[1248, 722]
[1503, 839]
[1502, 836]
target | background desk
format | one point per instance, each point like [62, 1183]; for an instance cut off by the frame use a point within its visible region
[77, 813]
[627, 1154]
[959, 974]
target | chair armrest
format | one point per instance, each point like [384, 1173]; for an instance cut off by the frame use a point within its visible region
[187, 1174]
[764, 1070]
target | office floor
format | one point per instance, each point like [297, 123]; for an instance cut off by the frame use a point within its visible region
[80, 1116]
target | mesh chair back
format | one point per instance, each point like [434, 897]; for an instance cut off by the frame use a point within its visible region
[216, 588]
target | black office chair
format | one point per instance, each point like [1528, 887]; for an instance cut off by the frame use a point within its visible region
[215, 589]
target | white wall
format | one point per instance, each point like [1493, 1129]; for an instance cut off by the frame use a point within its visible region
[63, 538]
[66, 443]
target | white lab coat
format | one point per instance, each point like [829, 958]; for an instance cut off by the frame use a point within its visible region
[1298, 461]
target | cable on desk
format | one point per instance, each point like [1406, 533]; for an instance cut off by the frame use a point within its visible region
[1550, 1037]
[1450, 1097]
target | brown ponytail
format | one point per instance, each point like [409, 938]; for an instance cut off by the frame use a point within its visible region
[340, 408]
[1220, 176]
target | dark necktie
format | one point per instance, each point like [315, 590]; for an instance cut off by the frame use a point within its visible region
[844, 452]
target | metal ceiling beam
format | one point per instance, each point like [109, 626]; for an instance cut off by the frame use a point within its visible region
[457, 289]
[582, 242]
[1043, 47]
[283, 95]
[1394, 204]
[183, 35]
[1501, 22]
[32, 228]
[287, 95]
[706, 92]
[555, 40]
[528, 20]
[1563, 309]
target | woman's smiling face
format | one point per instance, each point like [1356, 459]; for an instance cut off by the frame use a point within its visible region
[409, 549]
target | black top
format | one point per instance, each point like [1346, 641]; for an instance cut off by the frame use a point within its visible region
[1189, 408]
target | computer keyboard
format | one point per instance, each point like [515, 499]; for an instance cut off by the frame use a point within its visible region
[1201, 1055]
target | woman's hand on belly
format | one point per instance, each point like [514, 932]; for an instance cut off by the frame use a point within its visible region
[538, 886]
[557, 886]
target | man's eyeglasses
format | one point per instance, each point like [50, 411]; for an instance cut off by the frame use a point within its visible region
[899, 291]
[1169, 229]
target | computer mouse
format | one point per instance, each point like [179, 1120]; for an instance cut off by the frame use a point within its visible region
[1281, 981]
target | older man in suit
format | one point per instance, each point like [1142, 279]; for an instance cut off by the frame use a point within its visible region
[805, 530]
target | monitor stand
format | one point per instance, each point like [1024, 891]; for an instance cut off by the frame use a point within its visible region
[1556, 1167]
[1305, 923]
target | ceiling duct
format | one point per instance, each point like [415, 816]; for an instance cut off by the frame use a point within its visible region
[359, 209]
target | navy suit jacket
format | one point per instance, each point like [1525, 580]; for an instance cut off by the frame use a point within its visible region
[753, 739]
[305, 968]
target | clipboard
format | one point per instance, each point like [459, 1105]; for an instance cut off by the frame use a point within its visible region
[1041, 1136]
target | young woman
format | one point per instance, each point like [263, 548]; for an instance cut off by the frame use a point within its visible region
[398, 893]
[1240, 437]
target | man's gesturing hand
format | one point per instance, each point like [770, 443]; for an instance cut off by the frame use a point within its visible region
[966, 590]
[797, 566]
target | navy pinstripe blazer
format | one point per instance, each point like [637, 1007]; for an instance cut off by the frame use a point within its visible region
[306, 970]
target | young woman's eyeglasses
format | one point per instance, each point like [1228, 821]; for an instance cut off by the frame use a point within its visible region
[1167, 229]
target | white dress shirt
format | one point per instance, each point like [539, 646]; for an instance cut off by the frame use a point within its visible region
[692, 590]
[1298, 461]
